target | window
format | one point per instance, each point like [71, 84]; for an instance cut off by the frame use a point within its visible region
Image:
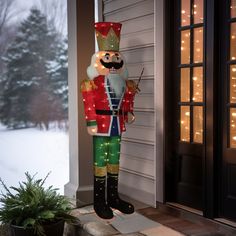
[191, 71]
[34, 91]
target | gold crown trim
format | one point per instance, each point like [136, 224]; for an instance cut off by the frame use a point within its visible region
[110, 42]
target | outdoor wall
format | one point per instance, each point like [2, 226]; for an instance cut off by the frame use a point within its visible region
[137, 176]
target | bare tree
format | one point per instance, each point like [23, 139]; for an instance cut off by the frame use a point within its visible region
[7, 28]
[56, 12]
[6, 12]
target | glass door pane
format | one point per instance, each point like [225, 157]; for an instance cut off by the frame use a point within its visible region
[233, 8]
[198, 11]
[185, 12]
[198, 84]
[185, 47]
[198, 45]
[185, 123]
[233, 127]
[233, 83]
[185, 85]
[233, 41]
[198, 124]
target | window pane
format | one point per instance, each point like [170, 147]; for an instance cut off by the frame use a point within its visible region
[185, 123]
[233, 8]
[233, 42]
[233, 83]
[233, 127]
[198, 11]
[185, 12]
[185, 47]
[198, 45]
[198, 124]
[198, 84]
[185, 85]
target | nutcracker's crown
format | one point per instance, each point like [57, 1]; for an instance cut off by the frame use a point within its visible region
[108, 35]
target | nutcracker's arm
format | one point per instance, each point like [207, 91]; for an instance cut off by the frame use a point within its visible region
[87, 89]
[131, 89]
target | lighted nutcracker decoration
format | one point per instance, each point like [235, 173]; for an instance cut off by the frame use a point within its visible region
[108, 103]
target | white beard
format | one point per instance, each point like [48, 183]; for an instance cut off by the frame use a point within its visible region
[117, 84]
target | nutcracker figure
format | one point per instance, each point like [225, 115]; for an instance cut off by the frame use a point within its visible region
[108, 102]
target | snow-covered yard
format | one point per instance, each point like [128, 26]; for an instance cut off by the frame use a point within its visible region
[35, 151]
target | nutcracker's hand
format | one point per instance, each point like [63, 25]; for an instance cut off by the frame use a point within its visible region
[137, 89]
[92, 130]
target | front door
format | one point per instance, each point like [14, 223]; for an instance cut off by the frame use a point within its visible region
[200, 111]
[228, 82]
[188, 80]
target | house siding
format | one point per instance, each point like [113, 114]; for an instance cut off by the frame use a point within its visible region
[137, 165]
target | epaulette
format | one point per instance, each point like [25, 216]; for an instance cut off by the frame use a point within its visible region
[87, 85]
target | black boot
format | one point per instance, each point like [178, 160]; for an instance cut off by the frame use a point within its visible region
[100, 206]
[113, 198]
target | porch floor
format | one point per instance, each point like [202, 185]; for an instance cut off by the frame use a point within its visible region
[186, 222]
[172, 220]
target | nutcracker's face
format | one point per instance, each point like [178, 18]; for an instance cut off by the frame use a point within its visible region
[109, 62]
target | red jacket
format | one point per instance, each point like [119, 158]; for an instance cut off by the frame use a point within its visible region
[96, 97]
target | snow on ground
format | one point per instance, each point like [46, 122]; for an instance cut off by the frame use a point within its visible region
[35, 151]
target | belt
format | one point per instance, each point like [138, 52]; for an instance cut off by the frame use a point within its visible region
[111, 112]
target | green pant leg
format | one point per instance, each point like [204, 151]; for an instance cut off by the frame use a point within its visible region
[114, 155]
[100, 155]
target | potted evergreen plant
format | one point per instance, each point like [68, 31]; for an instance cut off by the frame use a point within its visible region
[31, 209]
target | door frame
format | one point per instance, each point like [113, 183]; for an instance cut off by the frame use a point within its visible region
[211, 157]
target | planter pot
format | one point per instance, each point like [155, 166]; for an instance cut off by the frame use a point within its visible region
[55, 229]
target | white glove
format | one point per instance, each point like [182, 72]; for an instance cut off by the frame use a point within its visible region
[92, 130]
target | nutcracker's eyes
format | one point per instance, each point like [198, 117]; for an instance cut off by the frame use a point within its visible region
[117, 58]
[106, 58]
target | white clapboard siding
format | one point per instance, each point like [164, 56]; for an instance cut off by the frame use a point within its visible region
[137, 178]
[143, 119]
[137, 39]
[133, 11]
[137, 186]
[139, 150]
[110, 6]
[137, 24]
[145, 85]
[141, 133]
[143, 166]
[136, 68]
[141, 54]
[144, 102]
